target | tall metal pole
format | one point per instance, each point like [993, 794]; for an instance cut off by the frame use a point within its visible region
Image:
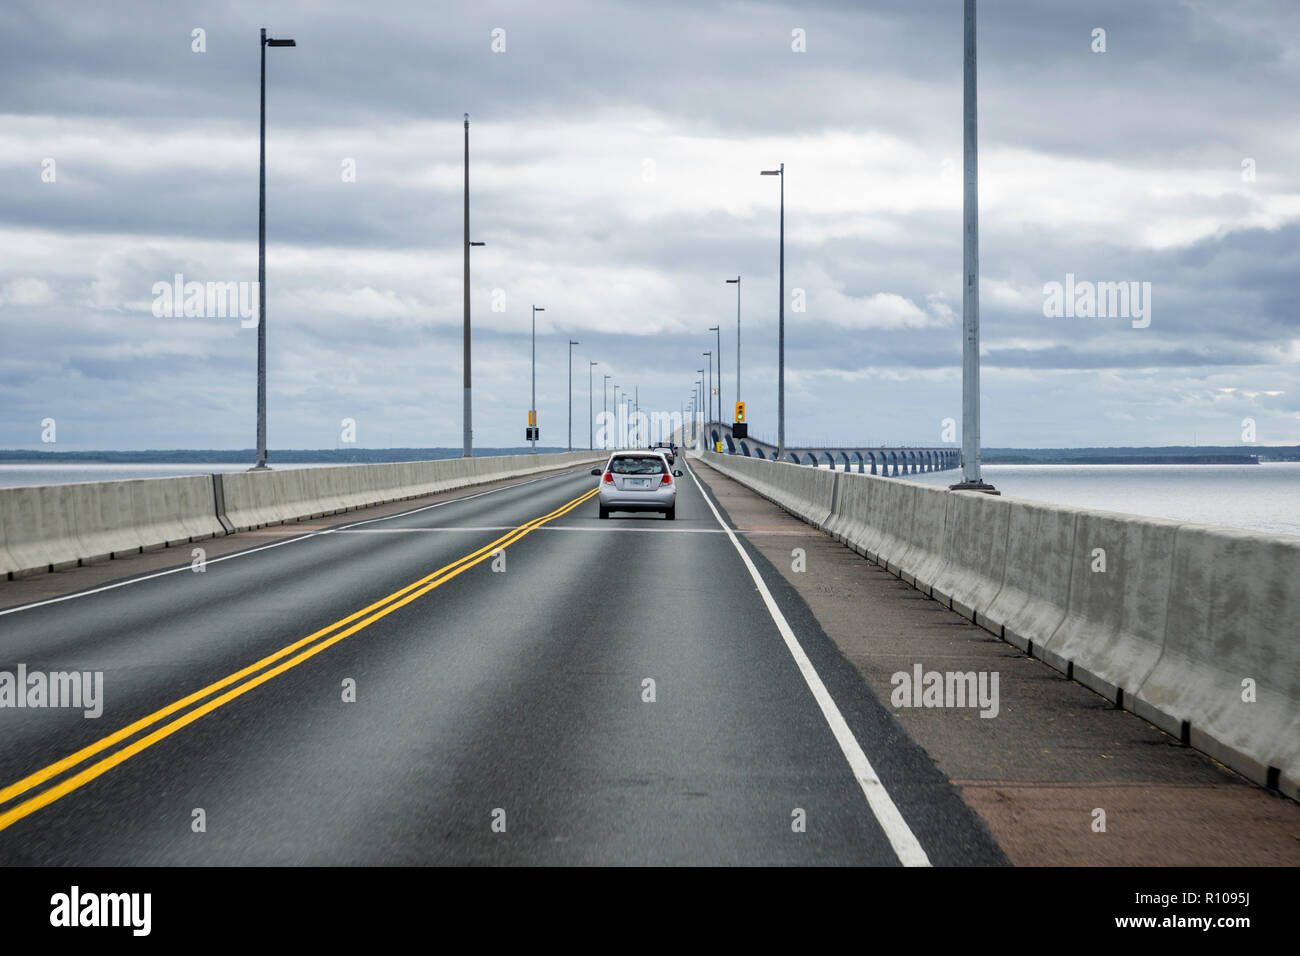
[591, 411]
[695, 425]
[737, 284]
[618, 423]
[709, 394]
[533, 403]
[604, 411]
[699, 405]
[718, 330]
[780, 389]
[970, 366]
[261, 274]
[571, 345]
[261, 256]
[468, 451]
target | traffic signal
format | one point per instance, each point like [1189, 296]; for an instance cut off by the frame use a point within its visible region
[740, 411]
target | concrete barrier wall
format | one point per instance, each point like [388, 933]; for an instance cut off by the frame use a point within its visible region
[1120, 584]
[1035, 592]
[924, 558]
[250, 500]
[51, 527]
[1192, 627]
[257, 499]
[805, 492]
[849, 523]
[892, 513]
[975, 552]
[39, 526]
[1230, 635]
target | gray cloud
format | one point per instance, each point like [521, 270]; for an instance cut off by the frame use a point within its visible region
[1115, 166]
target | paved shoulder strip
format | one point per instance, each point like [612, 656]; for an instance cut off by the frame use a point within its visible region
[904, 843]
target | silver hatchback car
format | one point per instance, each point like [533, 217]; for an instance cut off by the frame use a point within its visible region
[637, 481]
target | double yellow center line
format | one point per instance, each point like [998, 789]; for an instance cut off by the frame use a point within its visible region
[307, 647]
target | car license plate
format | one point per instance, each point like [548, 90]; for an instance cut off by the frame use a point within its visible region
[640, 482]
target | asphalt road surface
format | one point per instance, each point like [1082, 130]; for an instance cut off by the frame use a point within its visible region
[504, 711]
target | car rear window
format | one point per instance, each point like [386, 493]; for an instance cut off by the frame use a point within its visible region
[638, 465]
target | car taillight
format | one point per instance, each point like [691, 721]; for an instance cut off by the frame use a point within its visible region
[609, 476]
[667, 479]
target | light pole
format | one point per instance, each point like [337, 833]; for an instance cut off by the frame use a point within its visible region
[532, 411]
[591, 412]
[736, 282]
[699, 405]
[693, 424]
[571, 345]
[604, 410]
[261, 263]
[970, 364]
[468, 451]
[718, 329]
[780, 336]
[708, 413]
[618, 429]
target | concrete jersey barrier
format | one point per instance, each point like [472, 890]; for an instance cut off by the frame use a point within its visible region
[808, 493]
[258, 499]
[52, 527]
[1191, 627]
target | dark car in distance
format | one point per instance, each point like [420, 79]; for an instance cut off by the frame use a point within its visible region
[668, 448]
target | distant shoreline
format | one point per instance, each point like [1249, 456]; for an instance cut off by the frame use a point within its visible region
[200, 456]
[1124, 460]
[1157, 455]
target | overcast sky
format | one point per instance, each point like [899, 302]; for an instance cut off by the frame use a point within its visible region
[615, 152]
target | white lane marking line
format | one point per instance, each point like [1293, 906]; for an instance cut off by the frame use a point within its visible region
[637, 526]
[906, 847]
[267, 547]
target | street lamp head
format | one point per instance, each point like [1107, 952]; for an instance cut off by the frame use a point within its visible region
[713, 328]
[538, 308]
[270, 42]
[571, 342]
[478, 243]
[735, 281]
[772, 172]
